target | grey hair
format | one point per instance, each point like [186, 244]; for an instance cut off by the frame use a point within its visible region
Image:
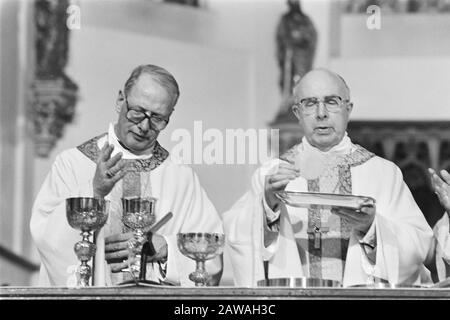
[160, 75]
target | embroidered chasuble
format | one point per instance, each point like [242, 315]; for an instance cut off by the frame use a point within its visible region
[176, 187]
[325, 235]
[136, 183]
[301, 242]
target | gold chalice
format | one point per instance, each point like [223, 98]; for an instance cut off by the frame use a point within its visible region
[87, 215]
[200, 247]
[138, 215]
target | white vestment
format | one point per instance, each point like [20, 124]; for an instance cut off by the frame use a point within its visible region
[400, 231]
[175, 186]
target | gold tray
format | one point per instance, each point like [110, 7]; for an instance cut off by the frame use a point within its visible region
[323, 200]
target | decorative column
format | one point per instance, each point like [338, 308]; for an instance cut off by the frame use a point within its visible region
[54, 94]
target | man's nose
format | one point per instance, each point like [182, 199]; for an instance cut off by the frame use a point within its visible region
[321, 110]
[144, 125]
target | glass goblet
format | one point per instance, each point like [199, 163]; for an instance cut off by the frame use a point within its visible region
[200, 246]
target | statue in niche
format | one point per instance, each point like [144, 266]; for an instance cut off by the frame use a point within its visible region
[296, 40]
[54, 94]
[51, 37]
[296, 45]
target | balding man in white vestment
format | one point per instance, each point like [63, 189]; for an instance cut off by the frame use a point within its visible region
[387, 241]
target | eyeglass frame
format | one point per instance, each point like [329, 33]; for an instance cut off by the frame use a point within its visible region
[301, 106]
[146, 116]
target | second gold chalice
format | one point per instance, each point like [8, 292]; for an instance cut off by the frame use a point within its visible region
[138, 215]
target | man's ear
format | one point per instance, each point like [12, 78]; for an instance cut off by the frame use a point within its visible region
[119, 101]
[349, 107]
[296, 111]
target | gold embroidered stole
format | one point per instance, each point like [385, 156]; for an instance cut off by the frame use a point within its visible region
[136, 183]
[322, 240]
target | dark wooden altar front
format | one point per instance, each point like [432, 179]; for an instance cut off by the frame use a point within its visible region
[220, 293]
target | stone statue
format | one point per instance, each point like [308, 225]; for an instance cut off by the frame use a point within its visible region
[296, 45]
[51, 37]
[296, 39]
[53, 93]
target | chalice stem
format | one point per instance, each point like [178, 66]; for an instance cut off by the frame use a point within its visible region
[85, 274]
[84, 250]
[135, 248]
[85, 236]
[96, 232]
[200, 275]
[201, 266]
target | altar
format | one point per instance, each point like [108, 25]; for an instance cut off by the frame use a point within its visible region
[220, 293]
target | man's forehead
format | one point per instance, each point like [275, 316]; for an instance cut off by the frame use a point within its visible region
[320, 84]
[148, 87]
[146, 82]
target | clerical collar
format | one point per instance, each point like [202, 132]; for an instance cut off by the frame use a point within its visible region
[122, 145]
[312, 162]
[119, 147]
[343, 147]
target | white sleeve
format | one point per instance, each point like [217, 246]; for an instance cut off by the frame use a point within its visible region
[271, 216]
[53, 236]
[403, 235]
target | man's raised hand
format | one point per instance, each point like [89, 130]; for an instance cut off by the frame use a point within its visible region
[441, 186]
[108, 172]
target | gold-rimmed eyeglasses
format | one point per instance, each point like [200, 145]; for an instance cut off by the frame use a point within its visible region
[137, 115]
[332, 104]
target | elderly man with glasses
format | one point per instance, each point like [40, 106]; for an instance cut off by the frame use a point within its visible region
[127, 161]
[386, 240]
